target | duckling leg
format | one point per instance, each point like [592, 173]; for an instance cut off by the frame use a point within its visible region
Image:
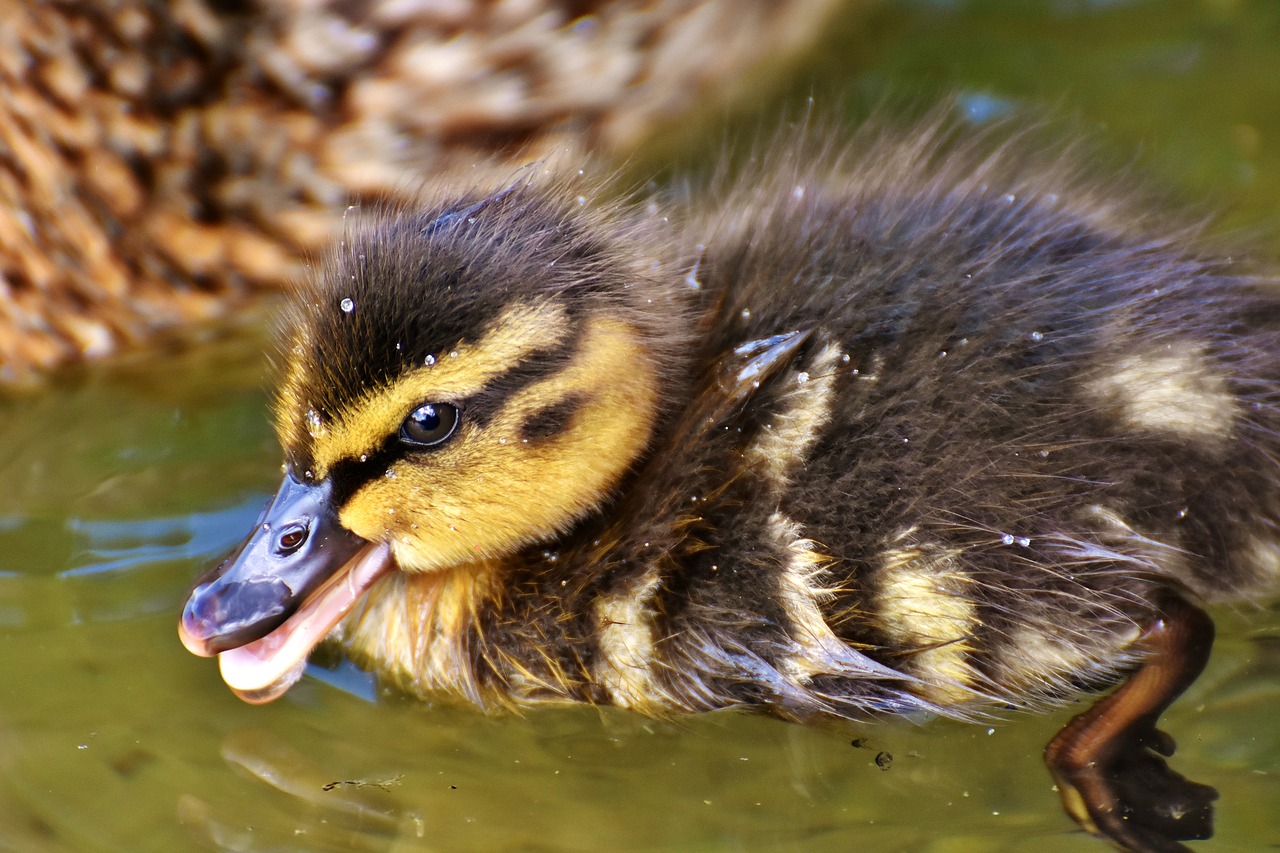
[1109, 762]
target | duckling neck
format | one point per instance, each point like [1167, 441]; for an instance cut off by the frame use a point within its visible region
[419, 629]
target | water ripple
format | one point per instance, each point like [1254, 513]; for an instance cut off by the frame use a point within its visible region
[116, 546]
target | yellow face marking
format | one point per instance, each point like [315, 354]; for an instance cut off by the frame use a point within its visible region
[458, 373]
[923, 606]
[489, 491]
[1171, 391]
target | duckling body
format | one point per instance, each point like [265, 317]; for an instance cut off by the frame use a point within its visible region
[919, 435]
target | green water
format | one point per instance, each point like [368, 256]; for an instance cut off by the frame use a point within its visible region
[121, 484]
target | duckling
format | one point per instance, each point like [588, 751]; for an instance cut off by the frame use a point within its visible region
[898, 428]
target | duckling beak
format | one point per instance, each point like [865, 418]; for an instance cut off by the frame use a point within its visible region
[264, 607]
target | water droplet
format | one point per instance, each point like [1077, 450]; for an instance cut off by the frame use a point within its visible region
[347, 305]
[453, 528]
[315, 424]
[429, 361]
[845, 358]
[582, 200]
[802, 377]
[453, 354]
[1024, 541]
[1182, 513]
[746, 313]
[1007, 539]
[797, 193]
[1044, 454]
[390, 474]
[1010, 198]
[1037, 336]
[364, 457]
[502, 441]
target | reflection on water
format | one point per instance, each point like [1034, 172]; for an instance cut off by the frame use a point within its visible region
[124, 484]
[113, 546]
[96, 553]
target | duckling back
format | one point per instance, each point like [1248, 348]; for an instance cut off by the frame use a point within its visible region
[1011, 424]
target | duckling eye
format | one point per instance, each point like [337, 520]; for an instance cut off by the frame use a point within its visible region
[429, 425]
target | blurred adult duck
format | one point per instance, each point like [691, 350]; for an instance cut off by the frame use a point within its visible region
[160, 163]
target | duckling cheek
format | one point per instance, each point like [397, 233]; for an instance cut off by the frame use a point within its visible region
[427, 513]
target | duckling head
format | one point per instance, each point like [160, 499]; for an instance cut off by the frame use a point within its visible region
[459, 383]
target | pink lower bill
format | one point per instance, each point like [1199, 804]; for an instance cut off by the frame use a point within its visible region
[265, 669]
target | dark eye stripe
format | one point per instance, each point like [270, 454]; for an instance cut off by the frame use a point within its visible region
[552, 420]
[348, 475]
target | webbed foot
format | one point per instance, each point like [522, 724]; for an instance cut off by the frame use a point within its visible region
[1109, 762]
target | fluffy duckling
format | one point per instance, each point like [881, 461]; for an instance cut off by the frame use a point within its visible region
[888, 429]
